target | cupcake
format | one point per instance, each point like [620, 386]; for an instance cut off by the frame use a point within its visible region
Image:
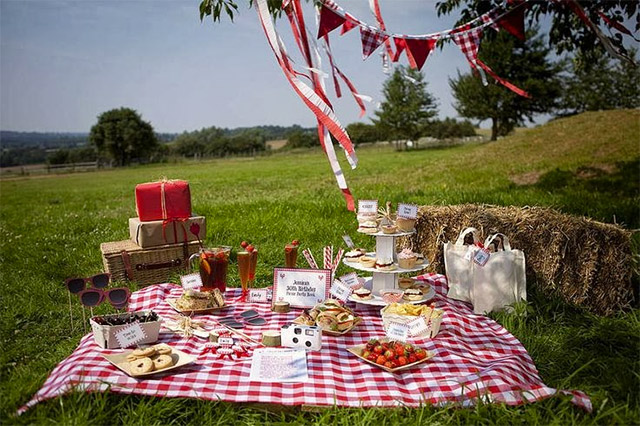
[407, 259]
[389, 229]
[367, 262]
[405, 225]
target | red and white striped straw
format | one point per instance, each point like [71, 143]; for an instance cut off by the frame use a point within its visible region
[310, 260]
[327, 257]
[336, 262]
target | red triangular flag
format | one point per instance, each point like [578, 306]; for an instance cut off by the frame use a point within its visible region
[371, 40]
[513, 22]
[419, 49]
[400, 46]
[329, 21]
[348, 25]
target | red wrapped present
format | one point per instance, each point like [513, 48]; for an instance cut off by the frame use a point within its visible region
[164, 200]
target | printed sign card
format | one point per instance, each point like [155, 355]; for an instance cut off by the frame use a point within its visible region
[225, 341]
[350, 280]
[258, 295]
[368, 206]
[397, 331]
[191, 281]
[418, 326]
[340, 291]
[302, 288]
[407, 211]
[130, 335]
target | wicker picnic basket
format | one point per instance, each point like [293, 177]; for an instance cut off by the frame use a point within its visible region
[431, 331]
[125, 260]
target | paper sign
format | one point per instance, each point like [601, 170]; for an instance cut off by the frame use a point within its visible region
[407, 211]
[130, 335]
[274, 365]
[418, 326]
[340, 290]
[191, 281]
[482, 257]
[258, 295]
[225, 341]
[397, 331]
[302, 288]
[348, 241]
[350, 280]
[368, 206]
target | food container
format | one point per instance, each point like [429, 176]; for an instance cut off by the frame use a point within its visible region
[431, 331]
[125, 260]
[105, 335]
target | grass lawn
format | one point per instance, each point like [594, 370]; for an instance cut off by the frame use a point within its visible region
[51, 228]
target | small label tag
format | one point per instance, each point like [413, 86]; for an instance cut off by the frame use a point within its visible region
[397, 331]
[350, 280]
[130, 335]
[340, 290]
[418, 326]
[407, 211]
[225, 341]
[191, 281]
[348, 241]
[482, 257]
[258, 295]
[368, 206]
[468, 256]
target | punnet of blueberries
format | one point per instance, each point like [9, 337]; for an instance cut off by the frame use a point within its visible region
[123, 319]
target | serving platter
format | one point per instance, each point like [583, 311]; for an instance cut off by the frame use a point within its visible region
[355, 264]
[357, 351]
[119, 360]
[172, 303]
[356, 321]
[376, 300]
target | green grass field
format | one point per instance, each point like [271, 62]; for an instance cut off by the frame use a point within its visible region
[51, 228]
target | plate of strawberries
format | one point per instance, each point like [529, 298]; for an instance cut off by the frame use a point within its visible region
[391, 355]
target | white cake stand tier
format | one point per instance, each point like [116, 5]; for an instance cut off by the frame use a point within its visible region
[386, 248]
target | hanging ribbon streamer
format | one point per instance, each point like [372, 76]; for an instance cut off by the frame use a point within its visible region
[617, 25]
[314, 102]
[388, 53]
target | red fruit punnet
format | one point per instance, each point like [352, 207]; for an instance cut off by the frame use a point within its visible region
[244, 244]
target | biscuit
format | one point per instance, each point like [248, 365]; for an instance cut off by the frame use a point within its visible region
[131, 357]
[162, 349]
[144, 352]
[217, 296]
[162, 361]
[141, 366]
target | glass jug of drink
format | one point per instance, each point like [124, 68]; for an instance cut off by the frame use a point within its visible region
[213, 264]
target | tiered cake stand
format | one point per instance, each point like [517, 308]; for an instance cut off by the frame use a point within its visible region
[383, 280]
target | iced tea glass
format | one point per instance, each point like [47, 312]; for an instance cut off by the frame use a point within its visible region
[290, 255]
[213, 264]
[244, 269]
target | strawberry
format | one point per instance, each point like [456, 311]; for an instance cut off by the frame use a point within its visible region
[220, 255]
[372, 342]
[420, 354]
[408, 347]
[381, 360]
[295, 242]
[389, 354]
[366, 354]
[399, 350]
[394, 364]
[250, 248]
[244, 244]
[402, 361]
[372, 357]
[412, 358]
[388, 364]
[378, 350]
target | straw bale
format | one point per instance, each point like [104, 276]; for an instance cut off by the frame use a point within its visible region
[585, 262]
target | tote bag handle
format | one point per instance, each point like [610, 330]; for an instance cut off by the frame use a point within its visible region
[504, 241]
[463, 234]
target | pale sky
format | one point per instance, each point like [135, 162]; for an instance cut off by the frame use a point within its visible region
[64, 62]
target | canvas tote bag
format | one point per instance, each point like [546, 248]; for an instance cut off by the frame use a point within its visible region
[458, 266]
[501, 281]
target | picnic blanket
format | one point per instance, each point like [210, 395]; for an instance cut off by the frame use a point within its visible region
[474, 359]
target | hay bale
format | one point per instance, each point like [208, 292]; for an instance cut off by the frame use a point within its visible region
[587, 263]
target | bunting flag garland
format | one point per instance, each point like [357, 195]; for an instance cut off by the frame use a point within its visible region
[329, 21]
[513, 22]
[371, 39]
[348, 25]
[617, 25]
[388, 52]
[419, 49]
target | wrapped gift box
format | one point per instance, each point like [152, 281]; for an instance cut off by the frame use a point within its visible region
[105, 335]
[125, 260]
[167, 199]
[161, 232]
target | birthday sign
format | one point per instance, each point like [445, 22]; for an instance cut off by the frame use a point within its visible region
[302, 288]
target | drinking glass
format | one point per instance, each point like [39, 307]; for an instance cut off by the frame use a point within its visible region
[290, 255]
[252, 268]
[244, 269]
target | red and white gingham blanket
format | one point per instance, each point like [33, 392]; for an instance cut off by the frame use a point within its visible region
[475, 358]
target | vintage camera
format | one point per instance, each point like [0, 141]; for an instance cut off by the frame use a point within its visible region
[301, 336]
